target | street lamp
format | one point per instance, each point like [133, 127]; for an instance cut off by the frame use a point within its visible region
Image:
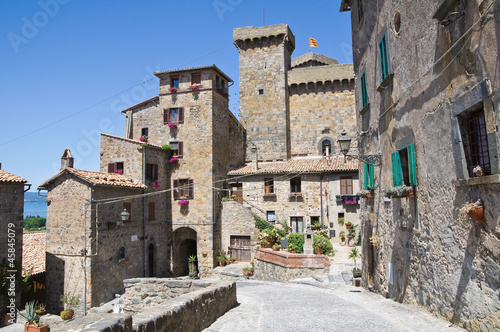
[124, 215]
[345, 144]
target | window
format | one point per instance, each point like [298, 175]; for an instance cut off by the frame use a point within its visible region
[269, 186]
[175, 82]
[195, 79]
[183, 189]
[346, 185]
[314, 220]
[173, 115]
[144, 132]
[369, 178]
[271, 216]
[115, 168]
[177, 149]
[296, 223]
[261, 91]
[326, 147]
[384, 57]
[151, 211]
[128, 206]
[475, 141]
[364, 92]
[295, 185]
[403, 167]
[151, 172]
[360, 11]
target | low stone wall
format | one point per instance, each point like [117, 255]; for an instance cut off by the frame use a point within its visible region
[283, 266]
[190, 305]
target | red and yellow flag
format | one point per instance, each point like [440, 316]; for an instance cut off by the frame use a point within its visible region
[312, 42]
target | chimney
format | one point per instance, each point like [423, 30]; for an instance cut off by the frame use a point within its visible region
[66, 159]
[255, 163]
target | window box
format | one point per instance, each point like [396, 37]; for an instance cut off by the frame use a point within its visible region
[172, 90]
[366, 193]
[350, 199]
[270, 195]
[399, 191]
[195, 87]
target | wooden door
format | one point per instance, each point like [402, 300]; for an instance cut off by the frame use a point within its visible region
[240, 247]
[237, 190]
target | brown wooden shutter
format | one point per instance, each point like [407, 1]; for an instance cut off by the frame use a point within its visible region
[128, 207]
[176, 189]
[148, 171]
[343, 190]
[191, 188]
[155, 172]
[166, 116]
[349, 186]
[181, 115]
[151, 211]
[196, 79]
[111, 168]
[180, 149]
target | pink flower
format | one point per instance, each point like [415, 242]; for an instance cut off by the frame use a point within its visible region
[119, 172]
[155, 185]
[172, 89]
[183, 202]
[172, 125]
[174, 159]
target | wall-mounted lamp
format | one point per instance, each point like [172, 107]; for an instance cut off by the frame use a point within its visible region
[345, 144]
[124, 215]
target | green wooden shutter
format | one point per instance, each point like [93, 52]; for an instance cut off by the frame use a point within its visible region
[397, 176]
[364, 93]
[372, 176]
[412, 165]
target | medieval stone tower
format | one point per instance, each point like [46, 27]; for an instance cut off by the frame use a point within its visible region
[265, 57]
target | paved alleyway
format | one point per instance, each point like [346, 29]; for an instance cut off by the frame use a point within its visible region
[321, 304]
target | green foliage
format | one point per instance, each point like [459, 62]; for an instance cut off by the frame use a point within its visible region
[317, 224]
[192, 258]
[351, 231]
[32, 223]
[358, 239]
[69, 301]
[342, 234]
[322, 242]
[166, 147]
[296, 240]
[262, 224]
[284, 224]
[354, 254]
[31, 317]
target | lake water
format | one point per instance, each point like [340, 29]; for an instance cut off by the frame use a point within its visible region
[34, 205]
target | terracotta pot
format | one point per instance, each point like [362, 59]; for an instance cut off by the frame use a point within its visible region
[319, 251]
[477, 214]
[30, 328]
[247, 273]
[408, 193]
[369, 195]
[342, 239]
[348, 225]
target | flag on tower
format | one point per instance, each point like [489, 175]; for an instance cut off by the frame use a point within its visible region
[312, 42]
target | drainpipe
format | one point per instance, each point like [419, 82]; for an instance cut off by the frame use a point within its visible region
[321, 196]
[143, 214]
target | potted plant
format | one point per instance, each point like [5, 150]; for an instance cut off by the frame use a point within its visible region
[192, 266]
[316, 225]
[478, 170]
[248, 271]
[233, 260]
[341, 221]
[183, 202]
[348, 224]
[166, 147]
[173, 90]
[173, 160]
[474, 210]
[342, 236]
[292, 248]
[354, 254]
[366, 193]
[351, 233]
[32, 318]
[69, 302]
[41, 309]
[194, 87]
[276, 247]
[172, 125]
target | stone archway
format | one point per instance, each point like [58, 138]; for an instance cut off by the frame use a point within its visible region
[185, 245]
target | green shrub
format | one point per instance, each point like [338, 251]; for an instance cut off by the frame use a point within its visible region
[262, 224]
[297, 240]
[322, 242]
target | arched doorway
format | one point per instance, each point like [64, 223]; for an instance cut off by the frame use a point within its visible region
[185, 245]
[151, 260]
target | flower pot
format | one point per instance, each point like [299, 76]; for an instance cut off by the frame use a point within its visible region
[67, 314]
[477, 214]
[30, 328]
[342, 239]
[348, 225]
[479, 173]
[408, 193]
[319, 251]
[247, 273]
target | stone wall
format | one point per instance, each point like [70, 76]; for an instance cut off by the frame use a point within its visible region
[204, 301]
[11, 212]
[283, 266]
[425, 255]
[237, 220]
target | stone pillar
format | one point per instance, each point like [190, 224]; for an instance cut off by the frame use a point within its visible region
[308, 242]
[255, 163]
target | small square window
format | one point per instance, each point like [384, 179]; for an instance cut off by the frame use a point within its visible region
[346, 185]
[183, 189]
[175, 82]
[295, 185]
[144, 132]
[271, 216]
[261, 91]
[268, 186]
[195, 79]
[177, 149]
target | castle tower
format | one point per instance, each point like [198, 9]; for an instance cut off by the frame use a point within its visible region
[265, 58]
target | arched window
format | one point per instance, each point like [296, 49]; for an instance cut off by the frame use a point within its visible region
[326, 147]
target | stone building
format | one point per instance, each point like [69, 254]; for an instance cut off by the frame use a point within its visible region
[89, 249]
[12, 188]
[427, 101]
[293, 111]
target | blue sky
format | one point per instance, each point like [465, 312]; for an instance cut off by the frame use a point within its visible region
[69, 67]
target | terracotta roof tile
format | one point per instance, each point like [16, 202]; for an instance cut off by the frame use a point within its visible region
[33, 252]
[130, 140]
[107, 179]
[302, 165]
[97, 178]
[7, 177]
